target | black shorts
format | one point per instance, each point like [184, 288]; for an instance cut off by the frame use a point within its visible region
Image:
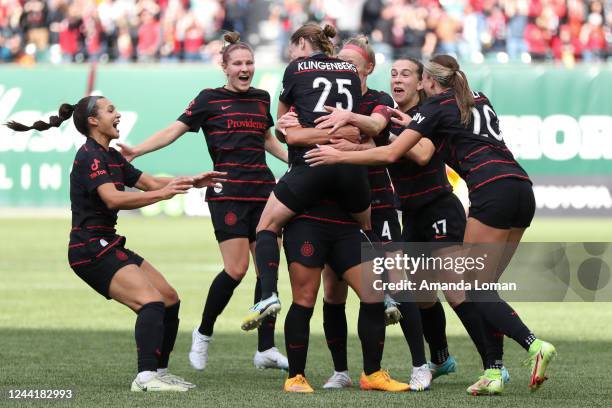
[96, 260]
[303, 186]
[235, 219]
[386, 225]
[316, 243]
[505, 203]
[442, 220]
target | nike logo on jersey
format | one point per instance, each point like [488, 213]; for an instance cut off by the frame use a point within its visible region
[418, 118]
[226, 107]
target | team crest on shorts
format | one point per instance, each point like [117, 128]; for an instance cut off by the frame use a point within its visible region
[307, 249]
[122, 256]
[230, 218]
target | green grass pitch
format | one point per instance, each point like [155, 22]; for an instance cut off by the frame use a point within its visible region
[56, 333]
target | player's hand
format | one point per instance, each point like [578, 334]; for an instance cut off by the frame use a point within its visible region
[399, 118]
[128, 152]
[178, 185]
[289, 119]
[348, 132]
[343, 145]
[335, 120]
[208, 178]
[322, 154]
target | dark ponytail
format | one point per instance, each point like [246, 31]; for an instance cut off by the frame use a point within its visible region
[444, 69]
[85, 108]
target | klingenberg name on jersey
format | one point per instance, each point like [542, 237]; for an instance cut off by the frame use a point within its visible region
[326, 66]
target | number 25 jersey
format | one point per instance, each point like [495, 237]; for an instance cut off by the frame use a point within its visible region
[311, 83]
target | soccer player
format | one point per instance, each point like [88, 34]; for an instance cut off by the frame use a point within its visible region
[97, 254]
[236, 121]
[372, 118]
[465, 130]
[311, 81]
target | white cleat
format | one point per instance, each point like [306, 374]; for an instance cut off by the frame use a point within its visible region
[338, 380]
[271, 358]
[420, 380]
[176, 379]
[198, 355]
[157, 383]
[259, 311]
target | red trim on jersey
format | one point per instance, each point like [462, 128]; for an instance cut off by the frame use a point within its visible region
[447, 101]
[99, 227]
[491, 161]
[416, 176]
[324, 70]
[310, 217]
[429, 190]
[520, 176]
[237, 199]
[378, 207]
[237, 113]
[80, 262]
[480, 149]
[231, 164]
[116, 165]
[375, 172]
[76, 229]
[238, 100]
[109, 246]
[225, 132]
[76, 245]
[376, 190]
[250, 181]
[229, 149]
[384, 111]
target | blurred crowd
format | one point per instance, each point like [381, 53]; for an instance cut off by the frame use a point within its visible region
[190, 30]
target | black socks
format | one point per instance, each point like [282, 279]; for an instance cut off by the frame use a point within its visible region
[336, 333]
[219, 295]
[265, 332]
[371, 329]
[297, 333]
[149, 333]
[434, 331]
[267, 256]
[171, 325]
[413, 331]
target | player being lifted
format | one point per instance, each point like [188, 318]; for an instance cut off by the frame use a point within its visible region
[98, 255]
[372, 118]
[465, 130]
[236, 121]
[312, 80]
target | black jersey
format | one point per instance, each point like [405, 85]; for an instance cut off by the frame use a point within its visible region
[234, 125]
[382, 192]
[310, 84]
[417, 186]
[94, 166]
[476, 152]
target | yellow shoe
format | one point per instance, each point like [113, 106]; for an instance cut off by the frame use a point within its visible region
[297, 384]
[381, 381]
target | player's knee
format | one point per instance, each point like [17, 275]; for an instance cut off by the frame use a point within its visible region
[170, 296]
[148, 295]
[237, 270]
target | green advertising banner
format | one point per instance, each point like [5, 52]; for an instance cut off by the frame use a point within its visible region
[557, 121]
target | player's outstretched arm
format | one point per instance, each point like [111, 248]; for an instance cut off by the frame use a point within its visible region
[157, 141]
[421, 153]
[146, 182]
[382, 155]
[128, 200]
[370, 125]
